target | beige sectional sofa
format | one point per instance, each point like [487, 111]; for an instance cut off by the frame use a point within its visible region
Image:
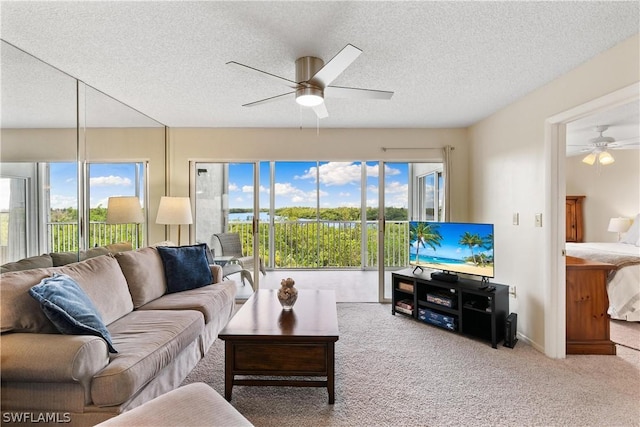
[159, 337]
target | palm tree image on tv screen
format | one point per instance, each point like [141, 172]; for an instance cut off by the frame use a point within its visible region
[452, 247]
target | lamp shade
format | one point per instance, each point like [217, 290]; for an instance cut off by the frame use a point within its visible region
[606, 158]
[602, 156]
[619, 225]
[590, 159]
[174, 210]
[124, 210]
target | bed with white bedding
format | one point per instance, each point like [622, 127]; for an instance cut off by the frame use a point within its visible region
[623, 286]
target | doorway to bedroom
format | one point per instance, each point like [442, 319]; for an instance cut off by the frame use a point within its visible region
[602, 199]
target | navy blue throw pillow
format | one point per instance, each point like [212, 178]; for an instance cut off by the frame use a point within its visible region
[69, 308]
[185, 267]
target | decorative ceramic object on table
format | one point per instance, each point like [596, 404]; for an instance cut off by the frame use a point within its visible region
[287, 294]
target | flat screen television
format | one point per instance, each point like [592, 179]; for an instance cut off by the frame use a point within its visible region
[452, 247]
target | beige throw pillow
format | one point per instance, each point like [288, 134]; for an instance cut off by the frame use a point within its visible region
[144, 273]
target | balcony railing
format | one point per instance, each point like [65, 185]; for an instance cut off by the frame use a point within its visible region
[336, 244]
[295, 244]
[63, 236]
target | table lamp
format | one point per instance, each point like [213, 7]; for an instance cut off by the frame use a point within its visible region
[619, 225]
[174, 211]
[125, 210]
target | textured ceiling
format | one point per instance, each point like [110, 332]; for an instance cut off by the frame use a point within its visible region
[450, 64]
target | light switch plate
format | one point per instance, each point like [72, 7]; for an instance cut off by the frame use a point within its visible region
[516, 218]
[538, 220]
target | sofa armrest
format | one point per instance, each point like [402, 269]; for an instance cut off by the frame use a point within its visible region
[216, 272]
[30, 357]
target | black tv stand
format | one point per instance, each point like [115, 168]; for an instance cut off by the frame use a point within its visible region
[443, 276]
[465, 307]
[418, 268]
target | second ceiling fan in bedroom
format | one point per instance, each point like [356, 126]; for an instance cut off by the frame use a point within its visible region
[598, 147]
[313, 82]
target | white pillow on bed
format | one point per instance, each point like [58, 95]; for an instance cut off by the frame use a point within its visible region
[632, 236]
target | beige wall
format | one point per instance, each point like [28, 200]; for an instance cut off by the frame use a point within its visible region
[508, 174]
[328, 145]
[38, 145]
[611, 191]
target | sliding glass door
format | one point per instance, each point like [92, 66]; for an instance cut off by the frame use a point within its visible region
[318, 215]
[412, 191]
[225, 203]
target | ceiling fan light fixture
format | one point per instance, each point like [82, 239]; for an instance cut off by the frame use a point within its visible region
[606, 158]
[590, 159]
[309, 96]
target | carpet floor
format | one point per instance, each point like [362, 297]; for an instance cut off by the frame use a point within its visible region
[394, 371]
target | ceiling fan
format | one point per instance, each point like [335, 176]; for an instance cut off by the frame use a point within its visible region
[313, 81]
[600, 145]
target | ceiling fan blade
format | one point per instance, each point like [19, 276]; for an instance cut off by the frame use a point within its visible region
[356, 93]
[268, 100]
[624, 142]
[335, 66]
[321, 111]
[240, 66]
[626, 147]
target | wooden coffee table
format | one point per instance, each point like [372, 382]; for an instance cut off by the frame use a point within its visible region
[264, 340]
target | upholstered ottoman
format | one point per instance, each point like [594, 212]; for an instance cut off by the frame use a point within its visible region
[195, 404]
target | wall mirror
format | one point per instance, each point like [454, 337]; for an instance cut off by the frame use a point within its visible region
[39, 119]
[66, 148]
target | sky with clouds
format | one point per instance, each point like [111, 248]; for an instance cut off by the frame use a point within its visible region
[338, 184]
[296, 184]
[105, 180]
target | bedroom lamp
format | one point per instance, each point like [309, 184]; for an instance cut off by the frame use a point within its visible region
[174, 211]
[619, 225]
[125, 210]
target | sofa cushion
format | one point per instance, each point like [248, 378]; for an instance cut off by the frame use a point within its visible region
[147, 342]
[185, 267]
[209, 300]
[19, 312]
[63, 258]
[69, 358]
[104, 283]
[39, 261]
[94, 252]
[69, 308]
[115, 248]
[144, 273]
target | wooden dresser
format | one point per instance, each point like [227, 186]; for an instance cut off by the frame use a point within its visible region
[587, 304]
[575, 221]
